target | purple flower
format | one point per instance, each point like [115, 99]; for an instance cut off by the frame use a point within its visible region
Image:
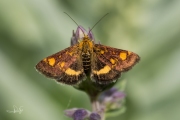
[79, 34]
[111, 99]
[94, 116]
[90, 34]
[74, 39]
[107, 93]
[81, 114]
[77, 114]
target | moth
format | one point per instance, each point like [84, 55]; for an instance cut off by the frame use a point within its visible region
[103, 64]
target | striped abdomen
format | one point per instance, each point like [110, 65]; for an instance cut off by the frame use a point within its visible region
[86, 59]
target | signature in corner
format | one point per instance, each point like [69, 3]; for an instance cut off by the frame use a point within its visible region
[16, 110]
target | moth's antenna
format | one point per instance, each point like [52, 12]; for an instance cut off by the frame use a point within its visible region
[74, 22]
[98, 21]
[71, 18]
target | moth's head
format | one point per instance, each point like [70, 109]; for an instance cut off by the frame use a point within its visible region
[81, 34]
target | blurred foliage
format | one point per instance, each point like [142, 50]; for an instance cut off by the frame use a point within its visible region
[33, 29]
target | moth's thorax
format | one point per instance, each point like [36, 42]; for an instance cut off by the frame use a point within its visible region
[86, 45]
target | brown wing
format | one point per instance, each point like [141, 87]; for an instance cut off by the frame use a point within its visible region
[108, 63]
[64, 66]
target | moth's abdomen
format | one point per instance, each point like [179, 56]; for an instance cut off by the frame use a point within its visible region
[86, 59]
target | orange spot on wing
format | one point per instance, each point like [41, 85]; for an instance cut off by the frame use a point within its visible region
[104, 70]
[51, 61]
[62, 64]
[102, 51]
[123, 55]
[71, 53]
[70, 71]
[129, 52]
[112, 61]
[45, 59]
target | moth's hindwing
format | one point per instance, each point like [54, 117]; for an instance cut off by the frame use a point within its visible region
[108, 63]
[64, 66]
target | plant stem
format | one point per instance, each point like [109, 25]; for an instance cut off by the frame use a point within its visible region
[96, 107]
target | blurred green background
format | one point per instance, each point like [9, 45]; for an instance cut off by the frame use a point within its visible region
[33, 29]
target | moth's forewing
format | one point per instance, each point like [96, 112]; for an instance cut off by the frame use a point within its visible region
[64, 66]
[108, 63]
